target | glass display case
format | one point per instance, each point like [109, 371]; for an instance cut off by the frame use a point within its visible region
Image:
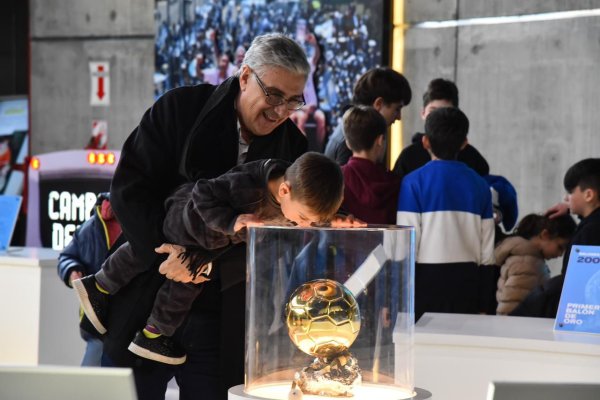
[329, 313]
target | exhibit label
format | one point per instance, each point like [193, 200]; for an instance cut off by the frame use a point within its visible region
[579, 308]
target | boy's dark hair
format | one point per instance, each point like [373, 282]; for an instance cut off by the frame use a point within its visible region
[362, 126]
[533, 224]
[585, 174]
[446, 128]
[316, 181]
[441, 89]
[382, 82]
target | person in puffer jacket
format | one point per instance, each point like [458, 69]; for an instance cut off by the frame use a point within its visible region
[522, 257]
[84, 255]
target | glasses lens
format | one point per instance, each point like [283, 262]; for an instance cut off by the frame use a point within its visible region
[295, 104]
[275, 99]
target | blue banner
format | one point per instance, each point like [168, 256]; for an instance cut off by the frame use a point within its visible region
[9, 211]
[579, 308]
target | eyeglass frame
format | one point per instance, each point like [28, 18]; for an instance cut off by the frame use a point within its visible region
[301, 103]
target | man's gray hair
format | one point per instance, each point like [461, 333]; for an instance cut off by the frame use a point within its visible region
[276, 50]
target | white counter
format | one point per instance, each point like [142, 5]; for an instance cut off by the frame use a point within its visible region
[38, 313]
[457, 356]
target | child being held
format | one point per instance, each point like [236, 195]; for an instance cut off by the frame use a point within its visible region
[207, 218]
[522, 257]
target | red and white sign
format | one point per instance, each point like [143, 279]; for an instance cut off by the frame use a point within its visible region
[99, 74]
[99, 138]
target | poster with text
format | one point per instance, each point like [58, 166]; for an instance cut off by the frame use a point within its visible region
[579, 308]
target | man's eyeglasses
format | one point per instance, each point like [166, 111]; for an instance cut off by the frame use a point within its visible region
[277, 100]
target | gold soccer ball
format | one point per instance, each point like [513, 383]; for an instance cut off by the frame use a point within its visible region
[323, 318]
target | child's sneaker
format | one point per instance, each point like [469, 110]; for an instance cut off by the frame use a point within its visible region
[93, 301]
[86, 325]
[162, 349]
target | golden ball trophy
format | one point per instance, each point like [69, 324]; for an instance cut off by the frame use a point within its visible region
[323, 320]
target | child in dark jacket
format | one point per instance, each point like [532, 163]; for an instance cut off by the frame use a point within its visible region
[84, 255]
[582, 182]
[208, 217]
[440, 93]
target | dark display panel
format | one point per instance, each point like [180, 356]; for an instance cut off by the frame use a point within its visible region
[65, 203]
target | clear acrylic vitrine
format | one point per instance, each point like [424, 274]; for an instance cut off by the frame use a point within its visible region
[329, 312]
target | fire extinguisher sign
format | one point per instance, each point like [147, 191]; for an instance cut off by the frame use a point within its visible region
[100, 78]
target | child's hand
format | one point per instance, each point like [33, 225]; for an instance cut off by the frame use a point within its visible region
[347, 221]
[245, 220]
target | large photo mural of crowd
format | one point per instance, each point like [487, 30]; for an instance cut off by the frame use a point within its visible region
[200, 41]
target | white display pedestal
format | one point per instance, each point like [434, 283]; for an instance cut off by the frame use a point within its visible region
[39, 313]
[237, 393]
[457, 356]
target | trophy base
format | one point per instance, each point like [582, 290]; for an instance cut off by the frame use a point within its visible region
[366, 391]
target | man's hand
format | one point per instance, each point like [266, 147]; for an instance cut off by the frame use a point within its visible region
[173, 268]
[244, 220]
[347, 221]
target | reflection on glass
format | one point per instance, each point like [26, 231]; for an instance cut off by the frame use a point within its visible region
[325, 303]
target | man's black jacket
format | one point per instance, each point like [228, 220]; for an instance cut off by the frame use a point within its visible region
[189, 133]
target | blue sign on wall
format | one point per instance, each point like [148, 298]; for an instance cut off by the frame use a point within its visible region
[9, 212]
[579, 308]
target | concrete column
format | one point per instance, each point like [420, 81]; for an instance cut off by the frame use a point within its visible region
[66, 36]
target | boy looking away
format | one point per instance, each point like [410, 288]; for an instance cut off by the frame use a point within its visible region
[582, 182]
[450, 206]
[440, 93]
[370, 191]
[382, 88]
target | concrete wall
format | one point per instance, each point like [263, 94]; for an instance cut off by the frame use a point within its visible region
[65, 36]
[529, 88]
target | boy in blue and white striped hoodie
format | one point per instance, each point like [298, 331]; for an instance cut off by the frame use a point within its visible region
[450, 206]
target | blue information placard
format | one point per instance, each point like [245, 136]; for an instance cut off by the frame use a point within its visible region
[579, 308]
[9, 211]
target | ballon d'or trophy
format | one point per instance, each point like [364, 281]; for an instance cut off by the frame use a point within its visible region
[323, 320]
